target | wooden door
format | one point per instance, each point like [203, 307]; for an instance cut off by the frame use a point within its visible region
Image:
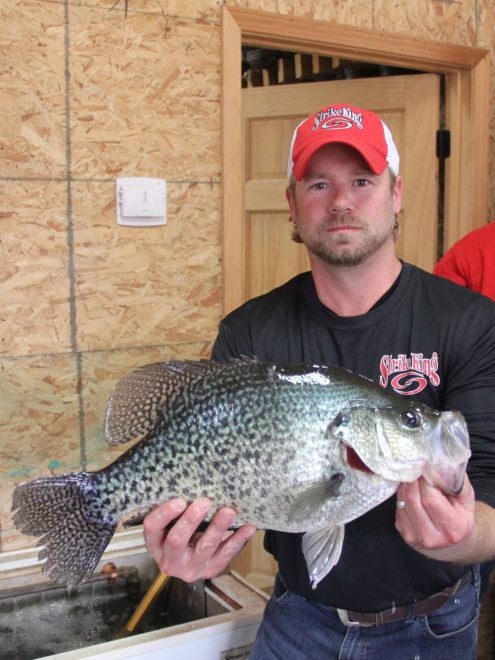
[409, 105]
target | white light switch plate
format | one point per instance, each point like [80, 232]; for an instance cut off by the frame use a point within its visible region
[141, 201]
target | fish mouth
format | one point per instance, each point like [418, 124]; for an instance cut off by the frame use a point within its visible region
[449, 453]
[442, 461]
[354, 461]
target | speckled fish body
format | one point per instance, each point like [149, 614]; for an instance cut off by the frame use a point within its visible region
[296, 448]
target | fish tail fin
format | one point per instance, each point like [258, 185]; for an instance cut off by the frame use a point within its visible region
[68, 515]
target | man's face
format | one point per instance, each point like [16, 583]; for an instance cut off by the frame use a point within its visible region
[341, 210]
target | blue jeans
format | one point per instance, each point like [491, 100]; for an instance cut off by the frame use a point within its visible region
[297, 629]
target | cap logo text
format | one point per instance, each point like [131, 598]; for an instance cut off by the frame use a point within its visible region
[337, 119]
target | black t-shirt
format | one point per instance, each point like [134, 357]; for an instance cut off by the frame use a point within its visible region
[428, 339]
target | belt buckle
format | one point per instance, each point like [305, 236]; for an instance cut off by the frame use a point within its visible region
[344, 617]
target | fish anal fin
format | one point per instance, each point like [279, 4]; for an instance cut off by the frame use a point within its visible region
[322, 550]
[136, 518]
[314, 497]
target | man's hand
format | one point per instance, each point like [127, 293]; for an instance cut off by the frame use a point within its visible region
[445, 527]
[183, 553]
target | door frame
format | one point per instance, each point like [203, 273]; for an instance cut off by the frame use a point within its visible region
[466, 105]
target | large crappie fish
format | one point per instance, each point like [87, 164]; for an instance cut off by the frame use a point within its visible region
[295, 448]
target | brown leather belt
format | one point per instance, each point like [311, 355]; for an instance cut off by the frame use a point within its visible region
[404, 612]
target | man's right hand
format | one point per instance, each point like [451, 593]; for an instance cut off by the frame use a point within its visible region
[182, 552]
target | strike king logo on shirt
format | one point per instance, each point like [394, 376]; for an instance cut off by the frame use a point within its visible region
[409, 375]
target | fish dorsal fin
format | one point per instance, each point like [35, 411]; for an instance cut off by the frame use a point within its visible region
[315, 497]
[321, 550]
[143, 394]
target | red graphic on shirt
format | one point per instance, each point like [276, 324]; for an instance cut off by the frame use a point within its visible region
[409, 375]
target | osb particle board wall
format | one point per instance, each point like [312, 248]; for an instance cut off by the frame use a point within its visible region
[87, 95]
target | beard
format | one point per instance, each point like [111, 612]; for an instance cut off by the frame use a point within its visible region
[332, 248]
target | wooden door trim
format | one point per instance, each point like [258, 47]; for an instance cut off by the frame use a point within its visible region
[467, 113]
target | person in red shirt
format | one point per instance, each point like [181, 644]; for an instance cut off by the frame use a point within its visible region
[470, 262]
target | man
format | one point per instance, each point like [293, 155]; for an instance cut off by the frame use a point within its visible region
[406, 583]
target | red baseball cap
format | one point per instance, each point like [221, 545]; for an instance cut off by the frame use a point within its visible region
[344, 124]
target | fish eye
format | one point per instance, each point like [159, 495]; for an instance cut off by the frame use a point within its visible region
[411, 419]
[341, 419]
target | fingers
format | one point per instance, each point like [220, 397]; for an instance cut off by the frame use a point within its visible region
[181, 551]
[214, 534]
[180, 534]
[413, 521]
[155, 523]
[214, 549]
[429, 519]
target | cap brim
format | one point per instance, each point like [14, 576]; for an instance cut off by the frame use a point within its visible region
[375, 160]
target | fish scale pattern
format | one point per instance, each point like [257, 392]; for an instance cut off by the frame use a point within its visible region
[269, 440]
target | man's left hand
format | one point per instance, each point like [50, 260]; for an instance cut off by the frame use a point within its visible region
[439, 526]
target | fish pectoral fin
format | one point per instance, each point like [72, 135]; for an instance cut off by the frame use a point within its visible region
[314, 498]
[322, 550]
